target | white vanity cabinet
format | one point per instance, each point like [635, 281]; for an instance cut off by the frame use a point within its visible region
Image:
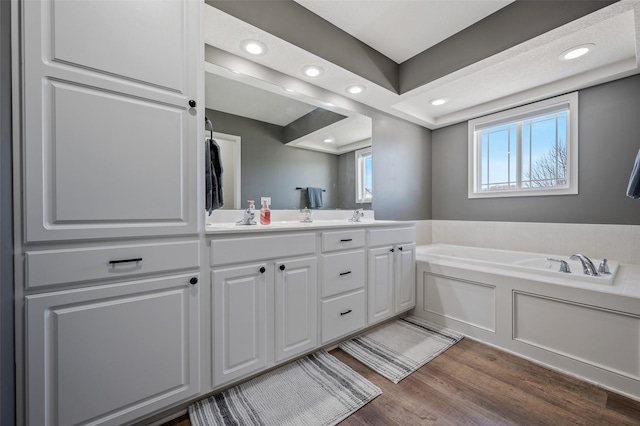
[106, 355]
[263, 302]
[110, 134]
[343, 280]
[296, 307]
[240, 314]
[391, 282]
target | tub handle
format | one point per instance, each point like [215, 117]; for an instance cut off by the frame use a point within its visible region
[564, 266]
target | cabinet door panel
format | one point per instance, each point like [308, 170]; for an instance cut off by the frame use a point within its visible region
[105, 44]
[405, 285]
[109, 354]
[109, 163]
[240, 321]
[380, 284]
[296, 304]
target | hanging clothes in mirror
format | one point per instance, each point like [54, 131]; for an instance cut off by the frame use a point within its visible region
[213, 172]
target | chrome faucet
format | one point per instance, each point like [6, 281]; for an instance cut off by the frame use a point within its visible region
[564, 266]
[587, 265]
[357, 214]
[603, 269]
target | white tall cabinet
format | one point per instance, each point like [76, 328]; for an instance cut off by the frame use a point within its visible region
[109, 136]
[109, 133]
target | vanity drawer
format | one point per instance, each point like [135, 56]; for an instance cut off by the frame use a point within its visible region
[390, 236]
[341, 240]
[225, 251]
[342, 315]
[342, 272]
[66, 266]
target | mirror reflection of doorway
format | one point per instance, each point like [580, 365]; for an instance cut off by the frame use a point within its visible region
[230, 153]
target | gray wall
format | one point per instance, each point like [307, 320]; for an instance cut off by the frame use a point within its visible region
[609, 139]
[7, 401]
[401, 169]
[272, 169]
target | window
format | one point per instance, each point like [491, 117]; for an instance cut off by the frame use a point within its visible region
[526, 151]
[364, 176]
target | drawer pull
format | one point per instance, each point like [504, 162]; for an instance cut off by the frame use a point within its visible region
[346, 240]
[114, 262]
[345, 273]
[345, 312]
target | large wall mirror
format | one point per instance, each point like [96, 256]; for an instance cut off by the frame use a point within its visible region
[276, 144]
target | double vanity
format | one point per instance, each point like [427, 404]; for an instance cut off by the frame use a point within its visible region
[281, 290]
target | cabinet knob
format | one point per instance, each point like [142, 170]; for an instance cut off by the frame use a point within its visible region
[282, 268]
[400, 248]
[193, 280]
[192, 103]
[262, 269]
[392, 250]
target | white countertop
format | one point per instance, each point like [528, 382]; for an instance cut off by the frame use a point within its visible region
[279, 226]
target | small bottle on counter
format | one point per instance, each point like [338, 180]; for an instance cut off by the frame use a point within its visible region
[265, 214]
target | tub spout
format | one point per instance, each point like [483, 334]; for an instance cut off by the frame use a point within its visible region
[587, 265]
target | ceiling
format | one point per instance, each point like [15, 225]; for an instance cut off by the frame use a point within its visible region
[402, 31]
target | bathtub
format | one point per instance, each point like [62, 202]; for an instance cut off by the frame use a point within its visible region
[588, 327]
[532, 263]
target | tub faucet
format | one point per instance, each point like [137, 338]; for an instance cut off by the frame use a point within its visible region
[357, 214]
[564, 266]
[603, 269]
[587, 265]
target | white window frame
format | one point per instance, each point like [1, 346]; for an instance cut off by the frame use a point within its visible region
[361, 196]
[515, 115]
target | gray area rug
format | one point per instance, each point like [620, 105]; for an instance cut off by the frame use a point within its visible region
[314, 390]
[399, 348]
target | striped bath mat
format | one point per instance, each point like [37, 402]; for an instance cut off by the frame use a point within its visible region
[314, 390]
[400, 347]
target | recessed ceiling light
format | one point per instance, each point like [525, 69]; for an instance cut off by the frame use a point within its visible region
[312, 71]
[355, 89]
[576, 52]
[254, 47]
[328, 140]
[439, 101]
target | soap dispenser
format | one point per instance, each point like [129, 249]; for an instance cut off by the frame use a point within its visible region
[265, 213]
[249, 215]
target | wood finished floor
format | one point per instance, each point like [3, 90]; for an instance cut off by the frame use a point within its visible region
[475, 384]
